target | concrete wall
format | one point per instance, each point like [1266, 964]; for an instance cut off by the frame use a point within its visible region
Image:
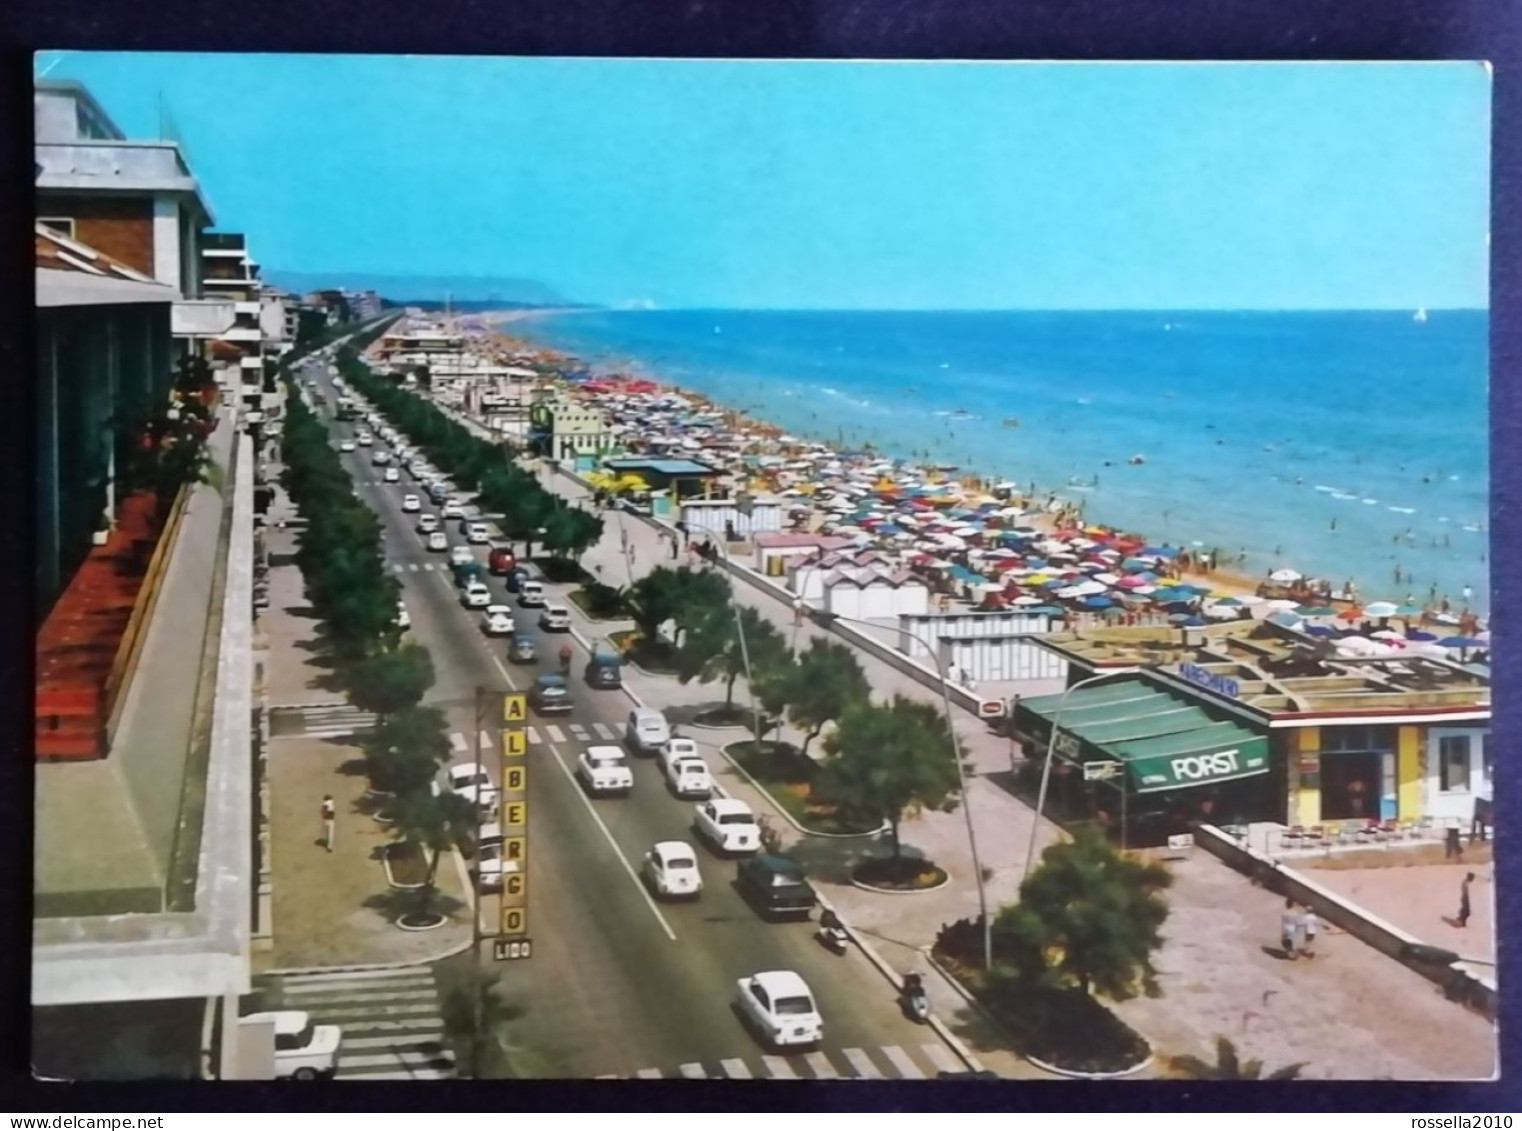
[1458, 979]
[120, 226]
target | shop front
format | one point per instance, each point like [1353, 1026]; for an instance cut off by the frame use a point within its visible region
[1352, 771]
[1146, 762]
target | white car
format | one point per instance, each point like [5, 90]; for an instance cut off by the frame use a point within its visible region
[646, 730]
[346, 445]
[364, 440]
[779, 1006]
[392, 475]
[403, 618]
[679, 748]
[531, 594]
[688, 776]
[555, 618]
[476, 595]
[380, 457]
[438, 541]
[472, 784]
[453, 509]
[477, 534]
[490, 865]
[498, 620]
[460, 555]
[427, 523]
[605, 769]
[671, 870]
[303, 1051]
[728, 825]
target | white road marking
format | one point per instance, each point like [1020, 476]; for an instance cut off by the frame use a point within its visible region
[415, 1037]
[344, 995]
[486, 740]
[778, 1068]
[865, 1069]
[578, 732]
[555, 733]
[735, 1069]
[943, 1058]
[398, 568]
[693, 1071]
[401, 1057]
[820, 1065]
[533, 736]
[413, 567]
[649, 1074]
[289, 980]
[404, 1027]
[907, 1069]
[457, 740]
[613, 844]
[605, 732]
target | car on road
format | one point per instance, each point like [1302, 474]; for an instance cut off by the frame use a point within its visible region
[427, 523]
[530, 594]
[775, 886]
[728, 825]
[364, 439]
[473, 784]
[687, 775]
[381, 457]
[604, 770]
[555, 618]
[603, 671]
[522, 650]
[438, 541]
[392, 475]
[550, 695]
[475, 595]
[461, 555]
[403, 618]
[490, 864]
[501, 560]
[346, 445]
[303, 1050]
[514, 579]
[646, 730]
[497, 620]
[671, 870]
[452, 509]
[778, 1005]
[477, 534]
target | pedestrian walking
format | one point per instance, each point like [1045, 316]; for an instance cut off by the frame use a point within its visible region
[329, 820]
[1291, 926]
[1453, 847]
[1312, 925]
[1463, 916]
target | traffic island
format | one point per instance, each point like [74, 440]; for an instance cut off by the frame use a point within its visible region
[899, 875]
[652, 657]
[1061, 1030]
[786, 775]
[722, 717]
[598, 602]
[406, 866]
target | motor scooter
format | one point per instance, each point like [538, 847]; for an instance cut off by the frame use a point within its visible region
[832, 933]
[914, 1000]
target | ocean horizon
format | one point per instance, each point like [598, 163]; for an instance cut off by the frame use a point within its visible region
[1345, 444]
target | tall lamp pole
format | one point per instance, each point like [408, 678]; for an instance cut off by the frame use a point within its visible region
[956, 758]
[750, 683]
[477, 1004]
[1046, 768]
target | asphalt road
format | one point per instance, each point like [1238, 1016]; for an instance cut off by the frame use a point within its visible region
[619, 983]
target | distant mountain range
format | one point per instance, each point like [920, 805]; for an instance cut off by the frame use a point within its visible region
[463, 289]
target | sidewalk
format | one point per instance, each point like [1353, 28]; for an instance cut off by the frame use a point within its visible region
[330, 909]
[1350, 1013]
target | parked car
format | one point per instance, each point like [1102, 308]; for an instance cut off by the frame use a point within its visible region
[687, 775]
[475, 595]
[522, 650]
[489, 862]
[346, 445]
[501, 560]
[427, 523]
[555, 618]
[380, 457]
[603, 671]
[303, 1050]
[775, 886]
[780, 1008]
[392, 475]
[550, 695]
[461, 555]
[364, 439]
[477, 534]
[728, 825]
[497, 620]
[452, 509]
[438, 541]
[605, 769]
[531, 594]
[646, 730]
[671, 870]
[472, 784]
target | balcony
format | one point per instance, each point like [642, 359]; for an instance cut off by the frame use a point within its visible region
[253, 308]
[201, 318]
[223, 242]
[244, 334]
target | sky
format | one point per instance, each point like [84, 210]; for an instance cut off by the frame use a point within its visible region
[793, 185]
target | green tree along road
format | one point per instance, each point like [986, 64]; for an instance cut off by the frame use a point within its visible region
[405, 751]
[433, 822]
[825, 684]
[388, 682]
[1088, 917]
[887, 762]
[713, 647]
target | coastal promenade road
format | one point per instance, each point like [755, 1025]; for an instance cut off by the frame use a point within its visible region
[620, 985]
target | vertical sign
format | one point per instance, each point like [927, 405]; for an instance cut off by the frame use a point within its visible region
[514, 820]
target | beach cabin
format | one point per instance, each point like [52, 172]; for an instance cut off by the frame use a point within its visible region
[670, 480]
[755, 516]
[774, 552]
[865, 586]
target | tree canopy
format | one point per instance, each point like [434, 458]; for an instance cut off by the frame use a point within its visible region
[1228, 1065]
[714, 648]
[823, 685]
[1088, 917]
[888, 763]
[388, 682]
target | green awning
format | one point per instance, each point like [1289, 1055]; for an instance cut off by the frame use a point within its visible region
[1195, 759]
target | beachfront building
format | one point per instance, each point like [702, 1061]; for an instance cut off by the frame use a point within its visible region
[775, 552]
[670, 480]
[576, 432]
[1253, 722]
[746, 516]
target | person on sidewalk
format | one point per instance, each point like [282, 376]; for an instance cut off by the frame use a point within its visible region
[1291, 927]
[1312, 925]
[1463, 917]
[1453, 848]
[329, 820]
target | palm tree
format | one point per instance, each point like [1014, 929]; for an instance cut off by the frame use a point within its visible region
[1228, 1066]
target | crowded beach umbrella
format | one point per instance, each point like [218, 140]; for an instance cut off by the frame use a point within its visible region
[1284, 576]
[1249, 598]
[1418, 635]
[1220, 612]
[1070, 593]
[1161, 551]
[1044, 611]
[1101, 575]
[1314, 610]
[1320, 629]
[1408, 610]
[1230, 602]
[1090, 588]
[1134, 581]
[1026, 599]
[1114, 612]
[1282, 604]
[1351, 614]
[1285, 620]
[1097, 602]
[1133, 564]
[1187, 621]
[1381, 609]
[1459, 642]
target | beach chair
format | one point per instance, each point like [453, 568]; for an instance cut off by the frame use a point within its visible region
[1293, 837]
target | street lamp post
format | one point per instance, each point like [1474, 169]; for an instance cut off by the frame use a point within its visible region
[1046, 769]
[956, 758]
[750, 682]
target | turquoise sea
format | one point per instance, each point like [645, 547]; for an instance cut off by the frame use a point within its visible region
[1346, 445]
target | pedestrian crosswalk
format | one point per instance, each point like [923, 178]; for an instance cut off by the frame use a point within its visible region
[540, 735]
[885, 1062]
[393, 1028]
[319, 720]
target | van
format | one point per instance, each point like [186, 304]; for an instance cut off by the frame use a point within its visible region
[603, 671]
[646, 730]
